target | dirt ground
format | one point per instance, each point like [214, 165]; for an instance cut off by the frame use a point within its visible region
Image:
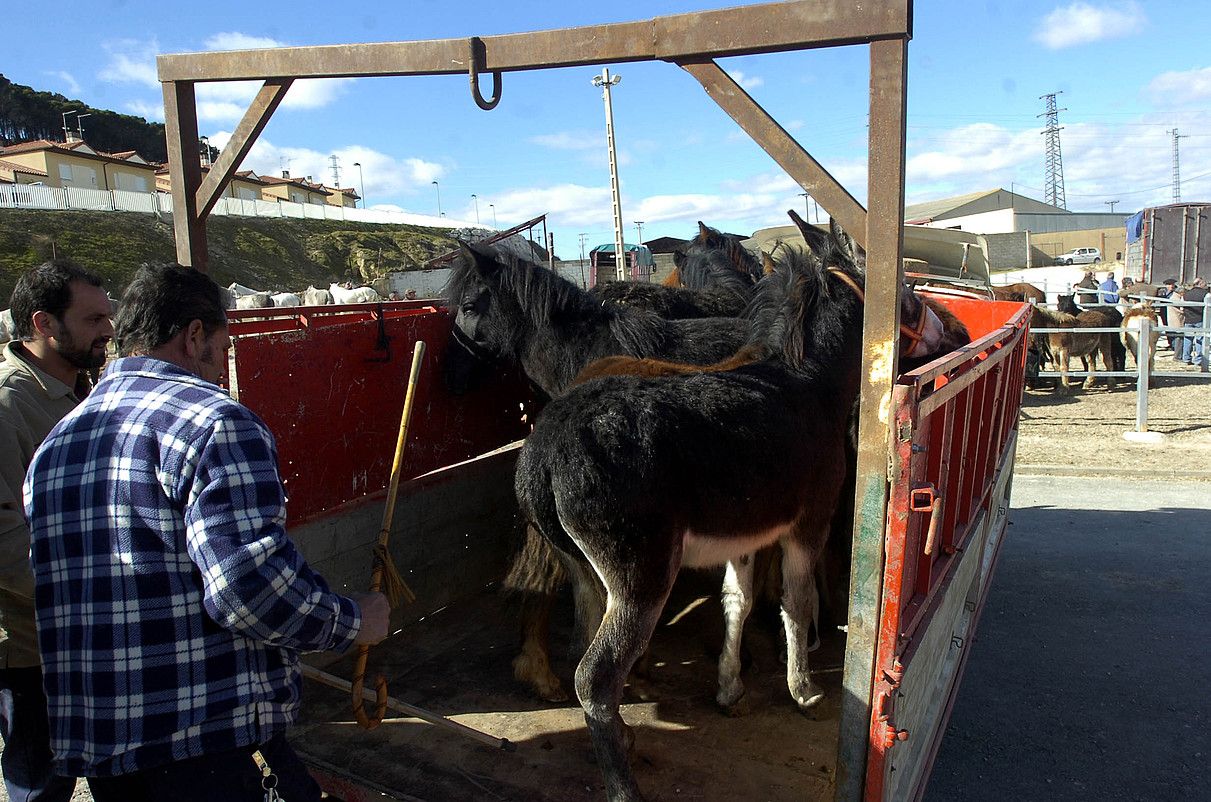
[1082, 433]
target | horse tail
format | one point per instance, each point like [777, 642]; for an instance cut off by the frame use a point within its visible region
[536, 567]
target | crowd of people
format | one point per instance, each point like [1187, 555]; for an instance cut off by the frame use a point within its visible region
[152, 607]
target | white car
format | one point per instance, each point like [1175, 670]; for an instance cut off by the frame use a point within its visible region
[1080, 256]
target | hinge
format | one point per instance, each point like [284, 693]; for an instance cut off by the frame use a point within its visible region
[885, 692]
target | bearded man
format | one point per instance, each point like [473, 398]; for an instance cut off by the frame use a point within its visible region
[61, 317]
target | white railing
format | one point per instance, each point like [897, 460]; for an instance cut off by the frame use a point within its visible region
[1145, 371]
[35, 196]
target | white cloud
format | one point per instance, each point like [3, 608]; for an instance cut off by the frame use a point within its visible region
[234, 40]
[746, 81]
[131, 61]
[148, 111]
[1081, 23]
[570, 140]
[384, 176]
[1180, 87]
[67, 78]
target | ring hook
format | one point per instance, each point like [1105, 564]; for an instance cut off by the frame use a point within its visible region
[476, 63]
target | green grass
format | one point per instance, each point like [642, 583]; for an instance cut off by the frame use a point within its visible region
[265, 253]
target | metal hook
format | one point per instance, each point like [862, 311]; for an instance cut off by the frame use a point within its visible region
[477, 58]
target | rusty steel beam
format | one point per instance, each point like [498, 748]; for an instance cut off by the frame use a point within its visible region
[881, 336]
[767, 28]
[242, 139]
[185, 171]
[781, 147]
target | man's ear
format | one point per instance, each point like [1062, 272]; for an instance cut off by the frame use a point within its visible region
[195, 339]
[45, 324]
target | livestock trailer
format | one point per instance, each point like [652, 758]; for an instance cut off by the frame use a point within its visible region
[330, 385]
[934, 461]
[1169, 242]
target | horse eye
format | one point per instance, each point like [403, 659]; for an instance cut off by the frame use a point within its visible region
[467, 308]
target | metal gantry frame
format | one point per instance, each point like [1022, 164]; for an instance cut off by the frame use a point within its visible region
[692, 42]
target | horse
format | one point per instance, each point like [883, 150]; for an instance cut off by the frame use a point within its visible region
[1067, 344]
[1132, 331]
[313, 296]
[286, 299]
[513, 310]
[357, 295]
[713, 276]
[1021, 291]
[255, 300]
[1098, 317]
[742, 458]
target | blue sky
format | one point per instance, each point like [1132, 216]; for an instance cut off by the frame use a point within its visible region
[1129, 72]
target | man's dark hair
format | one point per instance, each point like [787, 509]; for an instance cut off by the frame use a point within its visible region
[163, 300]
[46, 288]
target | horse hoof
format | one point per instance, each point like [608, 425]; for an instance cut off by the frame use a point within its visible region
[808, 697]
[737, 709]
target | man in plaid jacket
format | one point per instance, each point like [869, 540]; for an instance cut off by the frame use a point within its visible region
[171, 606]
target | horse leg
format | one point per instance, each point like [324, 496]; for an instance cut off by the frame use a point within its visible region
[1090, 362]
[1065, 356]
[1108, 359]
[533, 665]
[590, 606]
[737, 603]
[798, 599]
[631, 616]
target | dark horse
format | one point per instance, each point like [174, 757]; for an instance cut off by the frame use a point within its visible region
[514, 311]
[631, 478]
[714, 276]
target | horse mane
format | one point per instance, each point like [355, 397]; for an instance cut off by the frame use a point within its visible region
[1052, 318]
[548, 299]
[715, 259]
[1141, 310]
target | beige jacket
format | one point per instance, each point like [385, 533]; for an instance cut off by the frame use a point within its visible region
[31, 403]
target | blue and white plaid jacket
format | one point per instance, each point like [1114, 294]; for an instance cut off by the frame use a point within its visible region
[171, 606]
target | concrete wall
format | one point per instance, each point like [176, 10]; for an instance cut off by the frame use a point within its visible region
[1111, 241]
[1007, 250]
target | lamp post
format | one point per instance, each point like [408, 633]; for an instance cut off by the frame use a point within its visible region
[476, 199]
[439, 198]
[361, 182]
[639, 227]
[606, 82]
[492, 206]
[66, 135]
[80, 125]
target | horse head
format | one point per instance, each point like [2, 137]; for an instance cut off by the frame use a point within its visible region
[813, 301]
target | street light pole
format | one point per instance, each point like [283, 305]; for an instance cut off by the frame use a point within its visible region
[606, 82]
[476, 199]
[439, 198]
[639, 227]
[361, 182]
[492, 206]
[66, 135]
[80, 125]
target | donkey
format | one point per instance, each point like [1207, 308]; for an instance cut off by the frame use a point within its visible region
[741, 458]
[1132, 332]
[1065, 345]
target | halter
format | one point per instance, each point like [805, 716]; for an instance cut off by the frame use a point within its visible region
[477, 351]
[915, 334]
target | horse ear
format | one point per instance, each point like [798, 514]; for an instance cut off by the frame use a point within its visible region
[844, 241]
[815, 241]
[767, 264]
[478, 260]
[704, 232]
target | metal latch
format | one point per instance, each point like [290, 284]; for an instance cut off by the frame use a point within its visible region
[927, 499]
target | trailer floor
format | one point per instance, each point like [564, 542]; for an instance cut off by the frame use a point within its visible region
[457, 662]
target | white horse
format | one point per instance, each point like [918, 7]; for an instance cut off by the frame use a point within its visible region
[313, 296]
[357, 295]
[286, 299]
[257, 300]
[239, 290]
[1133, 332]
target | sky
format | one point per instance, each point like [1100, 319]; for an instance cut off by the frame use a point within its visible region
[1128, 74]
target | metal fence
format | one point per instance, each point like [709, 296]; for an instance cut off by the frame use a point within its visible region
[1145, 371]
[35, 196]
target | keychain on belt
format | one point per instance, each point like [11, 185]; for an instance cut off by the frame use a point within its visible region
[269, 780]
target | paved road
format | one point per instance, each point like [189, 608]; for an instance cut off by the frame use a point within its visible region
[1088, 679]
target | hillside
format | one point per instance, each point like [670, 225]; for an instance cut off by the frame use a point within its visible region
[265, 253]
